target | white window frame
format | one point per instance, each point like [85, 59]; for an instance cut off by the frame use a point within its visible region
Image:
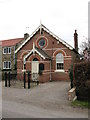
[7, 52]
[4, 66]
[62, 61]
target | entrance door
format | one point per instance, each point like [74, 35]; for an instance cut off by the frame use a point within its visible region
[35, 69]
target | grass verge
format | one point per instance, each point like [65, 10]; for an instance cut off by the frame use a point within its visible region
[82, 104]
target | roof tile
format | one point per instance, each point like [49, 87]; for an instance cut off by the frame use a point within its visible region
[11, 42]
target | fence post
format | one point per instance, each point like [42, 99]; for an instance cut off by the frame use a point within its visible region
[5, 79]
[24, 80]
[9, 79]
[29, 80]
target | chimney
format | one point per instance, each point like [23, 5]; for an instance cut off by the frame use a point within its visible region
[26, 35]
[76, 40]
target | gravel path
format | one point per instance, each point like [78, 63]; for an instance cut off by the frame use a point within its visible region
[44, 101]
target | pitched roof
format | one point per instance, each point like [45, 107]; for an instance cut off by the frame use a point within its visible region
[39, 51]
[43, 53]
[11, 42]
[48, 31]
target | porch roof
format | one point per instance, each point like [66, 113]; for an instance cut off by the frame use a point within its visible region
[40, 52]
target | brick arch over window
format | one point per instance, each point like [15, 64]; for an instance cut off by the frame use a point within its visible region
[59, 51]
[23, 54]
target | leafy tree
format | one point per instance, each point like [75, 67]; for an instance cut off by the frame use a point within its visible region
[85, 50]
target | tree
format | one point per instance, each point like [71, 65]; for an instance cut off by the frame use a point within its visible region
[85, 50]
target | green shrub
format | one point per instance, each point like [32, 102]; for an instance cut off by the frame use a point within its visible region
[81, 79]
[71, 75]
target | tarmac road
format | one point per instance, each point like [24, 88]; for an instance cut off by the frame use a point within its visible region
[49, 100]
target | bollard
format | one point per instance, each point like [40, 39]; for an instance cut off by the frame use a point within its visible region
[5, 79]
[37, 82]
[28, 80]
[24, 80]
[9, 79]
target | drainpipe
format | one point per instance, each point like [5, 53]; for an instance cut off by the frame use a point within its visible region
[14, 56]
[50, 71]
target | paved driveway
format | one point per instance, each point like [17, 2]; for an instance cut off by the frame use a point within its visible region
[49, 100]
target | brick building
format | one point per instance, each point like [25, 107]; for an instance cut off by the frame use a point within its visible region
[8, 53]
[46, 56]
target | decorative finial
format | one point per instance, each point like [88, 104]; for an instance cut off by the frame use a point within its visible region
[40, 22]
[40, 27]
[33, 48]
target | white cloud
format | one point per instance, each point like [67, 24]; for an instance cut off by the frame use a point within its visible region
[60, 16]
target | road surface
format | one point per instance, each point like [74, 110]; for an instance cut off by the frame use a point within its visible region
[49, 100]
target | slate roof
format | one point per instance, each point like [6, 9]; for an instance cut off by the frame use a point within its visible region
[39, 51]
[43, 53]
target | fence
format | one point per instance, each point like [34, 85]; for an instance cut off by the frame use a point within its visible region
[21, 80]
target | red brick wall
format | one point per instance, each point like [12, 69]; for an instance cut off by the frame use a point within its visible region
[48, 49]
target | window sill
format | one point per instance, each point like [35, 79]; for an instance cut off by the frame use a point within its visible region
[6, 68]
[6, 53]
[59, 71]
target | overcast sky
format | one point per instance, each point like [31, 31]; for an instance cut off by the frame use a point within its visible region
[62, 17]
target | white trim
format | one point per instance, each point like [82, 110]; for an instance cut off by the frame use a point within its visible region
[34, 50]
[8, 65]
[62, 41]
[40, 54]
[8, 50]
[28, 53]
[59, 70]
[48, 31]
[26, 40]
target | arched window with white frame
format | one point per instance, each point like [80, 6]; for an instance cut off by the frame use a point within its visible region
[59, 62]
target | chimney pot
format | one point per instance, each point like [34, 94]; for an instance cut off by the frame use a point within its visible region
[75, 31]
[26, 35]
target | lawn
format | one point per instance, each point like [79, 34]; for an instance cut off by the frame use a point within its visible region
[82, 104]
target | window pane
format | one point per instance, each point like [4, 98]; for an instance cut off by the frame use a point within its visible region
[42, 42]
[6, 64]
[60, 66]
[9, 64]
[9, 50]
[4, 50]
[59, 58]
[41, 66]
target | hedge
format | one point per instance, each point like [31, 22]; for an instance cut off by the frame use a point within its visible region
[82, 79]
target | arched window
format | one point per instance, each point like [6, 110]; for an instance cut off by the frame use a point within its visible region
[59, 61]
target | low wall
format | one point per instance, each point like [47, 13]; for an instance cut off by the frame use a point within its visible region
[72, 94]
